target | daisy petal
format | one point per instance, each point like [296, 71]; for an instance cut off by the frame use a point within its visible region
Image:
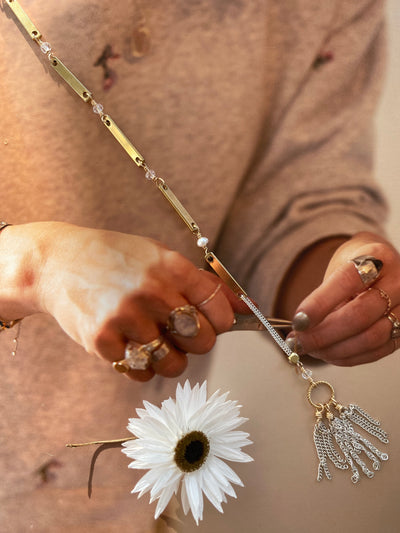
[194, 495]
[184, 499]
[165, 497]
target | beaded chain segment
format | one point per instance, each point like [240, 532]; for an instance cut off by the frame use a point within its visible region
[329, 427]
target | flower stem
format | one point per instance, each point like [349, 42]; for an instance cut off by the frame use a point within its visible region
[114, 441]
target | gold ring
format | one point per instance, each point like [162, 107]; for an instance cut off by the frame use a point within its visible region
[160, 352]
[184, 321]
[395, 333]
[383, 294]
[368, 268]
[137, 356]
[212, 295]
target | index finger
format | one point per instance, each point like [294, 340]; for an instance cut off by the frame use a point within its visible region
[342, 285]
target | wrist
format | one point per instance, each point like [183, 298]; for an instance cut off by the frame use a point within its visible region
[23, 252]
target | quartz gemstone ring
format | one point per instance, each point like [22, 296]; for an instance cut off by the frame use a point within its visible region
[368, 268]
[184, 321]
[159, 353]
[395, 333]
[137, 356]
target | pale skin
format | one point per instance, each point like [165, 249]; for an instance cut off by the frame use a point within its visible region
[105, 288]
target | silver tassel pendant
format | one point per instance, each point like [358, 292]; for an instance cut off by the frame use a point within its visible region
[336, 440]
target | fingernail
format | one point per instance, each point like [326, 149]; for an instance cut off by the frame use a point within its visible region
[295, 345]
[300, 321]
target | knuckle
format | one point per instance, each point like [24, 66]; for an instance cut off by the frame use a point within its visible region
[374, 336]
[225, 322]
[209, 343]
[101, 339]
[347, 277]
[363, 313]
[140, 375]
[174, 366]
[313, 342]
[177, 265]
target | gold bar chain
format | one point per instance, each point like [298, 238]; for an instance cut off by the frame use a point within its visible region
[123, 140]
[126, 144]
[180, 210]
[26, 22]
[70, 78]
[224, 274]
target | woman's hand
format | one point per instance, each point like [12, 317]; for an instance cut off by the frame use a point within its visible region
[106, 288]
[343, 321]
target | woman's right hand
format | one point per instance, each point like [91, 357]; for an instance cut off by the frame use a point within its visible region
[106, 288]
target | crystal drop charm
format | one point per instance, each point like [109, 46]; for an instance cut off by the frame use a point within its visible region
[150, 174]
[98, 109]
[45, 47]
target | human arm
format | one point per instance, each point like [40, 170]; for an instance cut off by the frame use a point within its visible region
[105, 288]
[311, 189]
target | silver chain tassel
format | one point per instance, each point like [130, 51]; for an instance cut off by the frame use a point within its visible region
[351, 443]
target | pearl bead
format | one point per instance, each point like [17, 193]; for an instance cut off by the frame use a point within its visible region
[202, 242]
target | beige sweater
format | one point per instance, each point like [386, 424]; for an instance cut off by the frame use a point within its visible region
[257, 113]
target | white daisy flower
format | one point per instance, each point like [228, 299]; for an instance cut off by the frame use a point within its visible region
[183, 444]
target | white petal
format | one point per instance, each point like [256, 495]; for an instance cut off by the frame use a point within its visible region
[232, 437]
[156, 445]
[184, 499]
[164, 415]
[146, 482]
[150, 427]
[169, 478]
[220, 481]
[164, 499]
[194, 495]
[141, 412]
[222, 468]
[230, 454]
[211, 490]
[226, 425]
[203, 393]
[198, 398]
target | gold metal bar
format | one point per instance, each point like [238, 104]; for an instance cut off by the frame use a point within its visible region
[69, 78]
[223, 273]
[176, 204]
[26, 22]
[123, 140]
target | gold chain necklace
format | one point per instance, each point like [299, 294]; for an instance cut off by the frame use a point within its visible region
[334, 422]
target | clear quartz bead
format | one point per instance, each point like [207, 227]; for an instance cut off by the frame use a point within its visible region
[45, 47]
[306, 373]
[150, 174]
[98, 109]
[202, 242]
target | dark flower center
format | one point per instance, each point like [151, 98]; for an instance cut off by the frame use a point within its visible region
[191, 451]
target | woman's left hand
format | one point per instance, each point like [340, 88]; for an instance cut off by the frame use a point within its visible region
[345, 321]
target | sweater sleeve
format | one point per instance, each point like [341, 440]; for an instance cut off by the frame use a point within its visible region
[311, 176]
